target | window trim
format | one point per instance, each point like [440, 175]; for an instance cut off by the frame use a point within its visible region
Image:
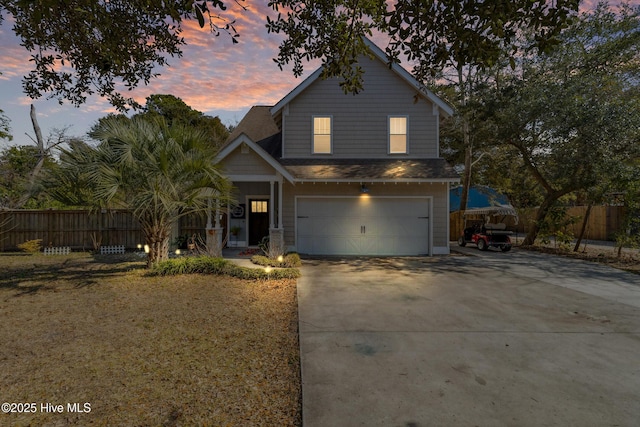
[313, 133]
[406, 134]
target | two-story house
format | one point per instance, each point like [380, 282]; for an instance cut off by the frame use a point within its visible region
[327, 173]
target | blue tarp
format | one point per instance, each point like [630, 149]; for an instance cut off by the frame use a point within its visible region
[480, 196]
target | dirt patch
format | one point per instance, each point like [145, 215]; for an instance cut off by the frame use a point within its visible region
[629, 259]
[156, 351]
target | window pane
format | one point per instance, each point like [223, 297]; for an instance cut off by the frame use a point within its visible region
[322, 125]
[322, 135]
[322, 144]
[397, 143]
[259, 206]
[398, 125]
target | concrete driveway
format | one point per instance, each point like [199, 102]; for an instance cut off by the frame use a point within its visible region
[487, 339]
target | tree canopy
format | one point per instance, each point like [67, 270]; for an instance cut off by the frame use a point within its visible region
[176, 112]
[572, 117]
[16, 166]
[5, 127]
[81, 47]
[433, 34]
[158, 171]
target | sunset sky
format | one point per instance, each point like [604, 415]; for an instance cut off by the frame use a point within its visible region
[213, 76]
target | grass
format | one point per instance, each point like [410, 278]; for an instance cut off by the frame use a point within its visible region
[145, 350]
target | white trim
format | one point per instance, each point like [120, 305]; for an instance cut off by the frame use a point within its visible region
[248, 178]
[313, 134]
[438, 136]
[243, 138]
[280, 202]
[430, 219]
[296, 91]
[397, 181]
[271, 204]
[397, 68]
[285, 113]
[406, 134]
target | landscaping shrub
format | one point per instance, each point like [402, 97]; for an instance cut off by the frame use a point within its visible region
[220, 266]
[31, 246]
[288, 261]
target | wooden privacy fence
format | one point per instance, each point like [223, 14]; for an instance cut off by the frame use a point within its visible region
[82, 229]
[604, 222]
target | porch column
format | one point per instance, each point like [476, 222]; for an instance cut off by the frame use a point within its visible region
[276, 235]
[271, 204]
[280, 202]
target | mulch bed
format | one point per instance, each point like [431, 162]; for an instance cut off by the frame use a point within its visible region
[145, 351]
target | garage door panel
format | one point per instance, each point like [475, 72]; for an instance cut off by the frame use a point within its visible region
[352, 226]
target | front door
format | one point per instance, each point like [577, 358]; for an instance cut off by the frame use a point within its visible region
[258, 220]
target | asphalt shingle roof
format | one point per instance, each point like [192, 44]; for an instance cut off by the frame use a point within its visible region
[369, 169]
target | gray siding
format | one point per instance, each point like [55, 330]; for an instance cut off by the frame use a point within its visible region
[360, 122]
[238, 163]
[439, 192]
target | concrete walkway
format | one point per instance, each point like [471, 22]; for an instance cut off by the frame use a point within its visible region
[480, 339]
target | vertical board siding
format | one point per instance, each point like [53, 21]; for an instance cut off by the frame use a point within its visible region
[603, 223]
[360, 122]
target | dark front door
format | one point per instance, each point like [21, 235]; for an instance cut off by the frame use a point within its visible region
[258, 220]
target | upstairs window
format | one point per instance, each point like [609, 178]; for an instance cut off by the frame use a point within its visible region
[321, 135]
[397, 135]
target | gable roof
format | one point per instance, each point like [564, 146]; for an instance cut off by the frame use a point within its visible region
[266, 156]
[395, 67]
[257, 124]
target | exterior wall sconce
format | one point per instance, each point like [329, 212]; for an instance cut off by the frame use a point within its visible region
[364, 189]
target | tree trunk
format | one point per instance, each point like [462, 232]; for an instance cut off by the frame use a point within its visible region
[36, 170]
[466, 184]
[466, 140]
[587, 214]
[543, 210]
[157, 238]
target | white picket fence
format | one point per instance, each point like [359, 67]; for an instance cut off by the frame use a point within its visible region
[65, 250]
[111, 250]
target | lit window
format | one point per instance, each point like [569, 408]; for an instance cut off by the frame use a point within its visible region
[322, 135]
[258, 206]
[397, 134]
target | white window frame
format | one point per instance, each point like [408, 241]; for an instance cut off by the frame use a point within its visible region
[313, 134]
[406, 134]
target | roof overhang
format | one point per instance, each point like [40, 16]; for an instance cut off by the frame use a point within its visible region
[384, 170]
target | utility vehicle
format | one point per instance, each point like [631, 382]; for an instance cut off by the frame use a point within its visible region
[487, 227]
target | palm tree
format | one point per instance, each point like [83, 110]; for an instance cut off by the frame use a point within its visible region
[160, 172]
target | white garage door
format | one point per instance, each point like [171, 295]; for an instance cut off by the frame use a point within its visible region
[363, 226]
